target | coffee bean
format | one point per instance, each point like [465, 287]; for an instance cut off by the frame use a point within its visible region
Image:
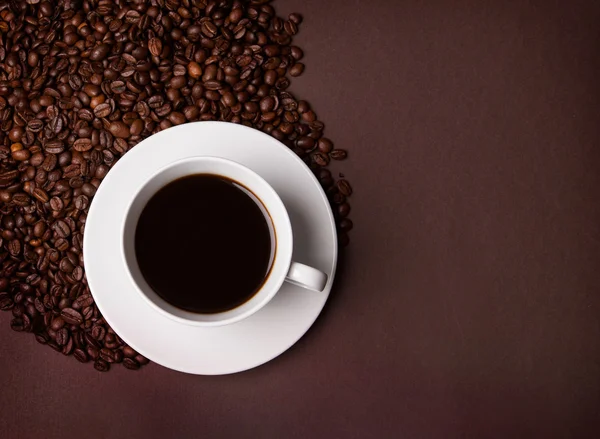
[325, 145]
[102, 110]
[41, 338]
[128, 352]
[296, 53]
[320, 159]
[131, 364]
[338, 154]
[290, 27]
[194, 70]
[309, 116]
[108, 355]
[81, 202]
[35, 125]
[343, 239]
[178, 82]
[82, 145]
[62, 336]
[40, 195]
[117, 87]
[141, 359]
[71, 316]
[136, 127]
[297, 69]
[155, 46]
[344, 210]
[88, 189]
[66, 266]
[17, 324]
[80, 355]
[346, 225]
[57, 323]
[305, 143]
[61, 228]
[101, 366]
[98, 332]
[14, 247]
[344, 187]
[295, 18]
[83, 301]
[100, 52]
[6, 302]
[209, 29]
[119, 129]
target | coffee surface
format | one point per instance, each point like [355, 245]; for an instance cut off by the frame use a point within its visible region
[204, 243]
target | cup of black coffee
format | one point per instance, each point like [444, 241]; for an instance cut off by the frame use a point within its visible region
[208, 242]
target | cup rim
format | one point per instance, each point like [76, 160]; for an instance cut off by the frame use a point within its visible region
[280, 258]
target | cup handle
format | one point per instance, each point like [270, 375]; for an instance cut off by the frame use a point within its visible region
[306, 277]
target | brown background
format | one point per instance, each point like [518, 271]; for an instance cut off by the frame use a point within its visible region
[467, 305]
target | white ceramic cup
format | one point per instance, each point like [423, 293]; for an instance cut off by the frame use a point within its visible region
[282, 268]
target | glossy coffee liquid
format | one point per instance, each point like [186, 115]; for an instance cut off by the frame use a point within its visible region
[205, 243]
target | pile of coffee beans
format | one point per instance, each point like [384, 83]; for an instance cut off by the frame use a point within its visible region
[82, 82]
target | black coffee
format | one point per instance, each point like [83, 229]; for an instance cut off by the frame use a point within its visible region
[204, 243]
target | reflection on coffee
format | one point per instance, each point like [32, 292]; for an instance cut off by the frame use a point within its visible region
[205, 243]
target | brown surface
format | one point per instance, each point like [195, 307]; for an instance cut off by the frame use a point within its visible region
[468, 304]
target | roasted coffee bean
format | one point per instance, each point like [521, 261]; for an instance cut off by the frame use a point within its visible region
[57, 323]
[344, 188]
[35, 125]
[119, 129]
[108, 355]
[53, 147]
[209, 29]
[71, 316]
[343, 239]
[194, 70]
[6, 303]
[129, 352]
[338, 154]
[117, 87]
[17, 324]
[62, 336]
[297, 69]
[101, 366]
[305, 143]
[41, 338]
[320, 159]
[80, 355]
[346, 225]
[155, 46]
[98, 332]
[100, 52]
[62, 229]
[81, 202]
[131, 364]
[82, 145]
[137, 127]
[296, 53]
[41, 195]
[141, 359]
[102, 110]
[325, 145]
[83, 301]
[344, 210]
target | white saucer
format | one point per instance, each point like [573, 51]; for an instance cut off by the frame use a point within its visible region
[202, 350]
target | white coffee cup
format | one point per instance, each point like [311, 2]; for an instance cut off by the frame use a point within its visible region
[282, 269]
